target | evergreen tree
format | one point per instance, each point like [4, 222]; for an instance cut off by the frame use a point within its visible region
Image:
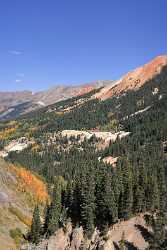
[46, 219]
[71, 201]
[88, 203]
[107, 211]
[159, 237]
[35, 231]
[155, 194]
[126, 195]
[54, 211]
[162, 189]
[139, 200]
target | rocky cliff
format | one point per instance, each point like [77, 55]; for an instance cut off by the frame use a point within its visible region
[73, 238]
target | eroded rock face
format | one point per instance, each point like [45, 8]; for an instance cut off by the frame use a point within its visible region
[134, 79]
[77, 238]
[73, 239]
[59, 241]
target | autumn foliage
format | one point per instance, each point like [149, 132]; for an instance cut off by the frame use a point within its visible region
[29, 182]
[4, 134]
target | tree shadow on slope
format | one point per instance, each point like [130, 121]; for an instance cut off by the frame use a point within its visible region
[128, 245]
[144, 232]
[116, 246]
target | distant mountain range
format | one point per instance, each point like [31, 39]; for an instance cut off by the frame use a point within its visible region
[13, 104]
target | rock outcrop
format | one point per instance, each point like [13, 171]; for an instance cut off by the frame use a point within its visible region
[73, 239]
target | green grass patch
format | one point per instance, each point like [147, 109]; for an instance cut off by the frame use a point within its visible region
[24, 219]
[16, 235]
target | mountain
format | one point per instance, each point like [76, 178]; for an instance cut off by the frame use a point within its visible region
[104, 161]
[134, 79]
[13, 104]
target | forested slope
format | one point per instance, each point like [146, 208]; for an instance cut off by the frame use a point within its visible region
[84, 188]
[94, 194]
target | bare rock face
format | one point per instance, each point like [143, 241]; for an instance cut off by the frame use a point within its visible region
[77, 239]
[70, 239]
[58, 241]
[134, 79]
[73, 239]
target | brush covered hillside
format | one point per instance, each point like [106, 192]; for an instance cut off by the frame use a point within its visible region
[19, 192]
[105, 157]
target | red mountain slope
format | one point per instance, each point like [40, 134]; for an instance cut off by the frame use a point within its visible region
[134, 79]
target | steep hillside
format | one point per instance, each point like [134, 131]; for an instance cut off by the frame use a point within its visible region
[106, 159]
[135, 79]
[19, 191]
[99, 193]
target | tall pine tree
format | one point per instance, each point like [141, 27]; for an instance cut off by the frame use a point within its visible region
[36, 227]
[88, 203]
[54, 211]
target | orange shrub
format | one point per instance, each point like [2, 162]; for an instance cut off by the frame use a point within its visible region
[30, 182]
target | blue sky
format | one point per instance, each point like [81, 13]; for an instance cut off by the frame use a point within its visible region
[44, 43]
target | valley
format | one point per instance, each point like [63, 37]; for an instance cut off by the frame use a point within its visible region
[102, 157]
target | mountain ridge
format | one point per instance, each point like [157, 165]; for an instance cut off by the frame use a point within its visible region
[134, 79]
[14, 104]
[10, 101]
